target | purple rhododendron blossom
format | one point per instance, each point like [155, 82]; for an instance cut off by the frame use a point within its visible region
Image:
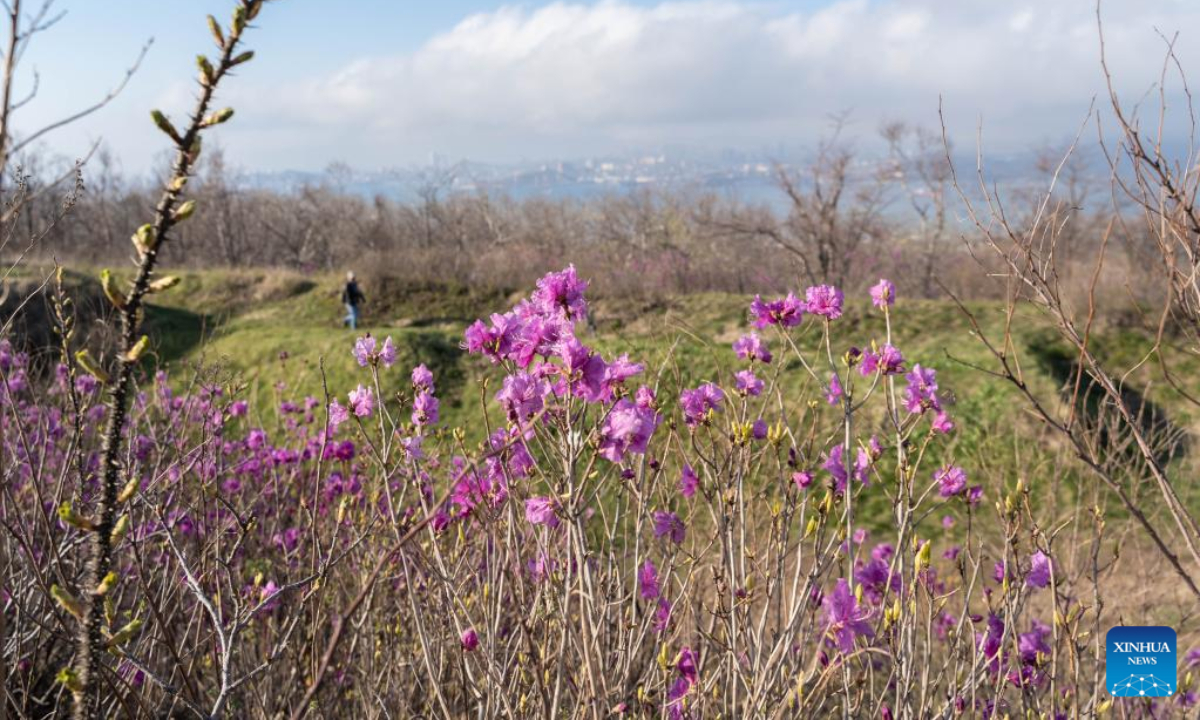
[337, 414]
[562, 293]
[425, 410]
[834, 394]
[1040, 570]
[844, 619]
[422, 377]
[387, 353]
[522, 396]
[824, 300]
[541, 511]
[752, 347]
[585, 370]
[699, 402]
[747, 383]
[786, 312]
[883, 293]
[364, 350]
[667, 524]
[627, 429]
[648, 581]
[952, 480]
[362, 401]
[835, 465]
[689, 481]
[921, 393]
[469, 640]
[617, 372]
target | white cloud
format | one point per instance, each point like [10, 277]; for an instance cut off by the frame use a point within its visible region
[573, 78]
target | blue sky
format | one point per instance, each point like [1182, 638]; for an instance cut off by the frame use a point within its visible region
[380, 83]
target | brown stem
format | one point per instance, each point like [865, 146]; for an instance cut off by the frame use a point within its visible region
[91, 644]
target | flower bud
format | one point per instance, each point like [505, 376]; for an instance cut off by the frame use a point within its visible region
[67, 514]
[126, 633]
[218, 117]
[109, 286]
[165, 283]
[184, 211]
[138, 348]
[127, 492]
[119, 529]
[923, 556]
[145, 239]
[164, 124]
[206, 70]
[68, 602]
[215, 29]
[69, 680]
[106, 584]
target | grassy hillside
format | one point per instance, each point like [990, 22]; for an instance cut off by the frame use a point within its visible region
[280, 335]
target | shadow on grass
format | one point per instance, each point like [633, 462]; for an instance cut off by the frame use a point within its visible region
[174, 331]
[1056, 359]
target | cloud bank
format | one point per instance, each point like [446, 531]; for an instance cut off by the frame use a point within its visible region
[570, 79]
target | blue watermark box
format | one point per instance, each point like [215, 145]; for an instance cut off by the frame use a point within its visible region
[1141, 661]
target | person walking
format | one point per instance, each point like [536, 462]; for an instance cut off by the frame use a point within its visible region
[352, 297]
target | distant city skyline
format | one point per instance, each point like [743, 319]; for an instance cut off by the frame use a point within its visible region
[378, 84]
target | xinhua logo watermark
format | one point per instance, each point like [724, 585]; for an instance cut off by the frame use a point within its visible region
[1140, 662]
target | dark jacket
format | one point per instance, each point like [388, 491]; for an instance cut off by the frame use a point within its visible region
[351, 295]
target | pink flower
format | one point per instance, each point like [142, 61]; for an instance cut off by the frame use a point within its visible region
[824, 300]
[802, 479]
[1040, 570]
[387, 354]
[891, 359]
[921, 392]
[522, 396]
[689, 481]
[699, 402]
[337, 414]
[845, 619]
[627, 429]
[752, 347]
[469, 640]
[747, 383]
[422, 377]
[953, 480]
[541, 511]
[667, 524]
[883, 294]
[561, 293]
[648, 581]
[425, 410]
[834, 395]
[662, 616]
[787, 312]
[585, 370]
[268, 595]
[364, 350]
[617, 372]
[942, 422]
[362, 401]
